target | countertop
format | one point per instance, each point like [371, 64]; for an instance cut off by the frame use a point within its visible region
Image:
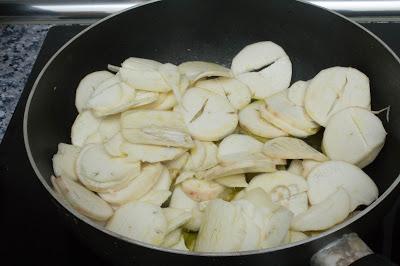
[19, 46]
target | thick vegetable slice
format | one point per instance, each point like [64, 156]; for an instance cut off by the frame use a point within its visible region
[250, 119]
[109, 126]
[139, 221]
[150, 153]
[197, 156]
[176, 218]
[296, 167]
[211, 159]
[82, 200]
[172, 238]
[334, 89]
[64, 161]
[329, 212]
[113, 145]
[291, 148]
[100, 172]
[324, 179]
[87, 86]
[297, 92]
[165, 128]
[277, 228]
[354, 135]
[180, 245]
[178, 163]
[159, 193]
[308, 165]
[84, 125]
[297, 203]
[196, 70]
[295, 236]
[237, 93]
[201, 190]
[238, 180]
[236, 144]
[223, 228]
[280, 106]
[137, 187]
[208, 116]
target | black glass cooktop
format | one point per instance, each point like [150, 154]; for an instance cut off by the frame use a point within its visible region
[32, 233]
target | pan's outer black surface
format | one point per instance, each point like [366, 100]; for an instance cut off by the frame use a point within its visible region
[177, 31]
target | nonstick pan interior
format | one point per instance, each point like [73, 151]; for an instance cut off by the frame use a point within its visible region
[178, 31]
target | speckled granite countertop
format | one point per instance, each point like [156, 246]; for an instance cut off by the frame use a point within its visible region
[19, 46]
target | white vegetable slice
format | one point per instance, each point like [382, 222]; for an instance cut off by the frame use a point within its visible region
[87, 86]
[156, 197]
[334, 89]
[94, 138]
[98, 171]
[64, 161]
[283, 109]
[84, 125]
[223, 228]
[297, 92]
[277, 228]
[150, 153]
[183, 176]
[137, 187]
[295, 236]
[256, 56]
[109, 126]
[172, 77]
[211, 159]
[143, 76]
[195, 70]
[165, 101]
[165, 128]
[291, 148]
[113, 145]
[178, 163]
[329, 212]
[137, 63]
[139, 221]
[237, 93]
[197, 156]
[280, 184]
[236, 144]
[164, 181]
[308, 165]
[250, 119]
[247, 166]
[180, 245]
[354, 135]
[324, 179]
[238, 180]
[202, 190]
[296, 167]
[270, 80]
[208, 116]
[176, 218]
[297, 203]
[172, 238]
[252, 239]
[82, 200]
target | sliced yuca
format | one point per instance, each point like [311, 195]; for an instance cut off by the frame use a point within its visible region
[201, 190]
[250, 119]
[297, 92]
[324, 179]
[237, 93]
[183, 176]
[308, 165]
[196, 70]
[165, 101]
[159, 193]
[334, 89]
[233, 181]
[181, 245]
[172, 76]
[280, 184]
[277, 228]
[197, 156]
[137, 187]
[242, 167]
[176, 218]
[211, 159]
[150, 153]
[172, 238]
[87, 86]
[291, 148]
[223, 228]
[235, 144]
[139, 221]
[113, 145]
[165, 128]
[109, 126]
[296, 167]
[84, 125]
[208, 116]
[275, 75]
[82, 200]
[354, 135]
[295, 236]
[64, 161]
[143, 76]
[329, 212]
[280, 106]
[297, 203]
[100, 172]
[178, 163]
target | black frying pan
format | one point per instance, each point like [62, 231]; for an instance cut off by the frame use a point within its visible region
[177, 31]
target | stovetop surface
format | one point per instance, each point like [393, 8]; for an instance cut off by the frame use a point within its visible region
[32, 231]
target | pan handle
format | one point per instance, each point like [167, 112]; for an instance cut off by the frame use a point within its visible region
[348, 250]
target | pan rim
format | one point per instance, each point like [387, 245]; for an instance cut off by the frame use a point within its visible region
[86, 220]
